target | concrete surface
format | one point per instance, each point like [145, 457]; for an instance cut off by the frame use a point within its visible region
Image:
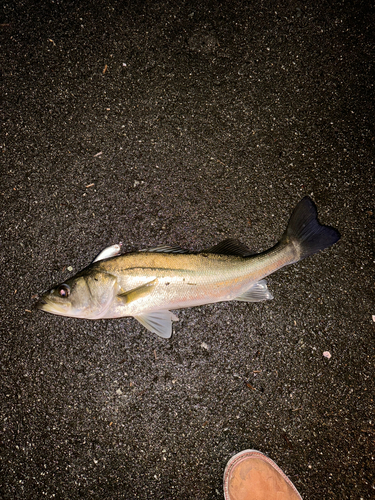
[186, 122]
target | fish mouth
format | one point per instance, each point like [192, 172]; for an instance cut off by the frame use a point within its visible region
[40, 304]
[51, 307]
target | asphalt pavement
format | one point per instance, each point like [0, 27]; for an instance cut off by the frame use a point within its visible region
[157, 123]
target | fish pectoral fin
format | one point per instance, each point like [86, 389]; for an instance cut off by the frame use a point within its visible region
[256, 293]
[159, 322]
[137, 293]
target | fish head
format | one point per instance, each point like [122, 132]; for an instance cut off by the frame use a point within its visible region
[86, 295]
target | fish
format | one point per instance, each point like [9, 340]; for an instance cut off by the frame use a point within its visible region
[147, 285]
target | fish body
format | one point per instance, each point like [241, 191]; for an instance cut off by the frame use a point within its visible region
[148, 284]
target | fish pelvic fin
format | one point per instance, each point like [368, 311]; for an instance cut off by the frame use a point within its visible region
[159, 322]
[306, 233]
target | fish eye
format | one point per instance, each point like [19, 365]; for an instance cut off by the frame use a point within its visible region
[64, 291]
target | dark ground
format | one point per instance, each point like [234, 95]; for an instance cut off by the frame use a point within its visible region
[169, 122]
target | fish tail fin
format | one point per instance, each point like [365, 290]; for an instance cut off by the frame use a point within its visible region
[306, 233]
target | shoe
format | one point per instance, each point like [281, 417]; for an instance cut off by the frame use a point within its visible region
[250, 475]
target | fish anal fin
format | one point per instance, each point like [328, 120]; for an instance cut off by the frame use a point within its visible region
[137, 293]
[159, 322]
[257, 293]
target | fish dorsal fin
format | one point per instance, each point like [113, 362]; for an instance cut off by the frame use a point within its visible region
[159, 322]
[166, 249]
[230, 247]
[256, 293]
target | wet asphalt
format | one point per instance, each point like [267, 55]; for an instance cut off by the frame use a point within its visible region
[186, 123]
